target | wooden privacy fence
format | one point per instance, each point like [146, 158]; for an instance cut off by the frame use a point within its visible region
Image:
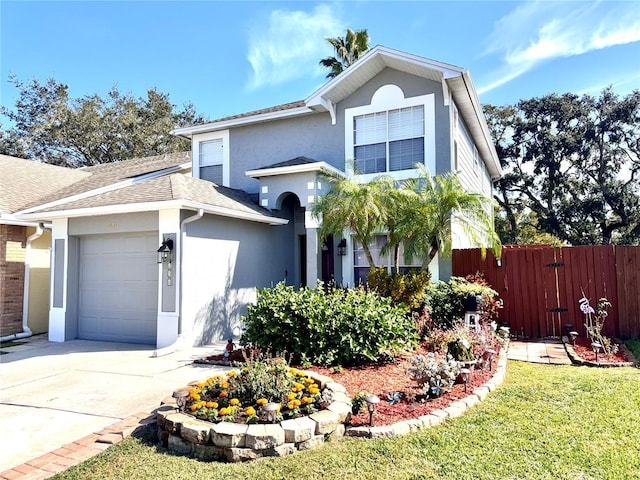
[540, 286]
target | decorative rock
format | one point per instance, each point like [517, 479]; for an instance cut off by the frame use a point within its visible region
[471, 400]
[430, 420]
[481, 392]
[261, 437]
[313, 442]
[241, 454]
[456, 409]
[208, 453]
[342, 409]
[415, 424]
[226, 434]
[178, 445]
[173, 422]
[326, 421]
[280, 450]
[440, 414]
[298, 429]
[336, 387]
[195, 431]
[491, 385]
[381, 431]
[161, 414]
[400, 428]
[342, 397]
[321, 379]
[338, 433]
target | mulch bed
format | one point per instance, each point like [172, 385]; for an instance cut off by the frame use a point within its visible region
[583, 349]
[386, 379]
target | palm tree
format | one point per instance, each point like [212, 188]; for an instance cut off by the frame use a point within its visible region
[353, 207]
[435, 203]
[348, 50]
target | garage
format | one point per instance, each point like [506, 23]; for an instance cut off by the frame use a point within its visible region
[118, 288]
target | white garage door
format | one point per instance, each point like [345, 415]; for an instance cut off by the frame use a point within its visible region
[118, 288]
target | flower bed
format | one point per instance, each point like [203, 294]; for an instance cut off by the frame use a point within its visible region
[582, 354]
[234, 442]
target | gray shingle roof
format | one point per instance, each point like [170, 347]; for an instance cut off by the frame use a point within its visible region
[24, 182]
[276, 108]
[106, 174]
[290, 163]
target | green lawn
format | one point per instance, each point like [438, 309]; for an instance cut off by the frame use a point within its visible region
[544, 422]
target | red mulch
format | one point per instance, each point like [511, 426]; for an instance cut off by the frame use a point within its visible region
[381, 380]
[583, 350]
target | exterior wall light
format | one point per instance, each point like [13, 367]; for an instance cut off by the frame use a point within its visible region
[165, 251]
[342, 247]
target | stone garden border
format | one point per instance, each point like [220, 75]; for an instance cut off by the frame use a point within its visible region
[577, 360]
[233, 442]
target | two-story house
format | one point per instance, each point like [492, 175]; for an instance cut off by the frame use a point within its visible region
[172, 248]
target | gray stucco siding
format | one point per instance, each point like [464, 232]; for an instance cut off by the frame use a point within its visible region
[223, 260]
[412, 86]
[261, 145]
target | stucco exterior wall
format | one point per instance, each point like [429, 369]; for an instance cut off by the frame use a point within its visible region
[223, 260]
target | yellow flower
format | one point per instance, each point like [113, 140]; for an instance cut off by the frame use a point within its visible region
[225, 411]
[234, 401]
[296, 402]
[293, 371]
[309, 381]
[307, 400]
[291, 396]
[314, 390]
[212, 404]
[194, 396]
[262, 401]
[250, 411]
[232, 374]
[225, 385]
[291, 405]
[299, 386]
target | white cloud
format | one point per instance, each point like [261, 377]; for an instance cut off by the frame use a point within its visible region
[291, 45]
[539, 31]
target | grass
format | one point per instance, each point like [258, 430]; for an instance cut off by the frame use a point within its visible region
[544, 422]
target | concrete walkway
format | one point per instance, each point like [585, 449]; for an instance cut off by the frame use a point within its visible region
[548, 351]
[61, 403]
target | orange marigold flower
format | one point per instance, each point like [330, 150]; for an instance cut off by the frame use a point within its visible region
[296, 402]
[250, 411]
[225, 411]
[262, 401]
[195, 396]
[211, 405]
[234, 401]
[307, 400]
[291, 405]
[224, 394]
[309, 381]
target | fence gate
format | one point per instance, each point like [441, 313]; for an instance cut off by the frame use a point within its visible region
[541, 286]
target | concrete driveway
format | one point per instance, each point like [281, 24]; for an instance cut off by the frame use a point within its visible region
[52, 394]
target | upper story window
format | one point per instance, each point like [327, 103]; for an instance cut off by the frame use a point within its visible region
[211, 157]
[389, 141]
[391, 134]
[211, 160]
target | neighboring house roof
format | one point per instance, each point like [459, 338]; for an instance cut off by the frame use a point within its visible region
[144, 184]
[107, 174]
[23, 182]
[455, 80]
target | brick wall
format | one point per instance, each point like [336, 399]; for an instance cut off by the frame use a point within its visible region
[12, 255]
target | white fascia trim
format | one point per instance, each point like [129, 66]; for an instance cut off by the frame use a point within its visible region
[109, 188]
[307, 167]
[448, 71]
[262, 117]
[156, 206]
[475, 101]
[11, 220]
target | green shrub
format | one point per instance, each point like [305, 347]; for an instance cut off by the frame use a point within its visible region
[445, 300]
[333, 327]
[404, 288]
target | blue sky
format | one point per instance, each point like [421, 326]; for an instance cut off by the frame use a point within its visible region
[233, 57]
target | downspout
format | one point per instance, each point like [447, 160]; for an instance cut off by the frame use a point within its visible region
[26, 331]
[175, 345]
